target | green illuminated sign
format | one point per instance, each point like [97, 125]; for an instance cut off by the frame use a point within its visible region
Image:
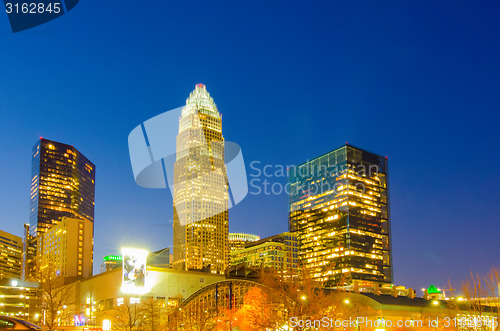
[113, 258]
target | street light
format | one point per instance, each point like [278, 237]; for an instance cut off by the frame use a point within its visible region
[347, 302]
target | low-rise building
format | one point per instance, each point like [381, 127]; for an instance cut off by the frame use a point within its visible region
[19, 299]
[279, 252]
[239, 240]
[101, 298]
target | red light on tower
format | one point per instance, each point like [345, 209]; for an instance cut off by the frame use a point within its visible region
[200, 85]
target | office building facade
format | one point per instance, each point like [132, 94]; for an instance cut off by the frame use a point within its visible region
[200, 194]
[279, 252]
[67, 249]
[339, 210]
[20, 299]
[240, 240]
[11, 250]
[62, 184]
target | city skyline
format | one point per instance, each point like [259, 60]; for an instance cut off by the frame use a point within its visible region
[401, 88]
[142, 244]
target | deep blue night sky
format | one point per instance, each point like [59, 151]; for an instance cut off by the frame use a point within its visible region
[414, 81]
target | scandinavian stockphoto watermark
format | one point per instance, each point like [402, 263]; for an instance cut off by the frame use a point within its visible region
[269, 179]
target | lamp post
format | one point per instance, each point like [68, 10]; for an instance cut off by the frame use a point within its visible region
[348, 303]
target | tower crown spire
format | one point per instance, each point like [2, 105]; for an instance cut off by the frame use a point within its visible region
[200, 101]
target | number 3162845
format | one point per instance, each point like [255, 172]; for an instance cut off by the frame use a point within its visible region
[33, 8]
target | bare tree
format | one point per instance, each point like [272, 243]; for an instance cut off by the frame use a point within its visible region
[153, 313]
[478, 307]
[257, 312]
[55, 294]
[128, 315]
[300, 296]
[199, 317]
[492, 286]
[173, 312]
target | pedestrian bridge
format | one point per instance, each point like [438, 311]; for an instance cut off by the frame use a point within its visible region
[226, 294]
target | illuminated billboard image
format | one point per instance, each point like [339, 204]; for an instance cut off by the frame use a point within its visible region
[134, 273]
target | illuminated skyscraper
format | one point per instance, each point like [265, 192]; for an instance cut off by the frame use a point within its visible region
[62, 184]
[339, 209]
[201, 197]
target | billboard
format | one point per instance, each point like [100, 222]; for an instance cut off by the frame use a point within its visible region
[134, 273]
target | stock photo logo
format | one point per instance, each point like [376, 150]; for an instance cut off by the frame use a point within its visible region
[27, 14]
[183, 150]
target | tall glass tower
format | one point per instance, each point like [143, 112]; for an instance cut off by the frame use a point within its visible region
[339, 209]
[62, 184]
[201, 196]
